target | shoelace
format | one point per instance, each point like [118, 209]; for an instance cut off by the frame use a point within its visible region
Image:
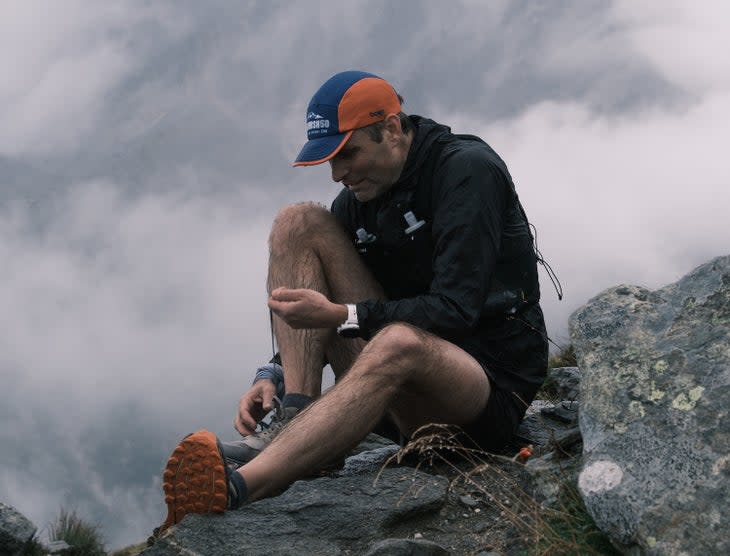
[272, 417]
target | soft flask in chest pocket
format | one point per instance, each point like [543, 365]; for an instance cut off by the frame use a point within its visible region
[406, 240]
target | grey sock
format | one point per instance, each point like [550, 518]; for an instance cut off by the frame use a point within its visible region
[238, 491]
[300, 401]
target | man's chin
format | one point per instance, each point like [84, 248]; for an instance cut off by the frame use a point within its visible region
[367, 193]
[364, 196]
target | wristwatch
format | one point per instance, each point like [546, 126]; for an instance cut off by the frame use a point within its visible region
[350, 328]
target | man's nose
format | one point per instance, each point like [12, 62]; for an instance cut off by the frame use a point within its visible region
[339, 170]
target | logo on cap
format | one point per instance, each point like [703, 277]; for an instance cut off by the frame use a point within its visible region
[316, 124]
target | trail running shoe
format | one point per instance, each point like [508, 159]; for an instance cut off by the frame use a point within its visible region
[196, 480]
[239, 452]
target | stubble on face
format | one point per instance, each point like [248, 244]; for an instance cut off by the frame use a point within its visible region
[367, 168]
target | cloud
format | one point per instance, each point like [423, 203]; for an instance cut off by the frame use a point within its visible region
[115, 284]
[682, 41]
[126, 325]
[62, 62]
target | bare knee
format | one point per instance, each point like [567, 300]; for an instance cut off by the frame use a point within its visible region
[399, 348]
[297, 223]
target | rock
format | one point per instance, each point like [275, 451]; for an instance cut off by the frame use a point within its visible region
[565, 412]
[546, 423]
[552, 430]
[468, 501]
[533, 429]
[372, 442]
[655, 394]
[323, 516]
[546, 479]
[406, 547]
[566, 381]
[550, 473]
[364, 462]
[566, 442]
[16, 530]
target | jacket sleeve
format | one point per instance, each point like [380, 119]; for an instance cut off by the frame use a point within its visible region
[469, 200]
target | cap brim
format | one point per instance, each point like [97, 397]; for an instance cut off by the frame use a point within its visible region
[321, 149]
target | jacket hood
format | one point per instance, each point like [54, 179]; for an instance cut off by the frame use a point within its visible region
[427, 132]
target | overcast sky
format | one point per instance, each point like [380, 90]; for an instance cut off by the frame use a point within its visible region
[146, 146]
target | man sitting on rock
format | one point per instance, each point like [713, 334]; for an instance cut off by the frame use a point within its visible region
[419, 288]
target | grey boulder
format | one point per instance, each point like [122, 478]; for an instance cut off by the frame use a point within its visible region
[655, 394]
[16, 530]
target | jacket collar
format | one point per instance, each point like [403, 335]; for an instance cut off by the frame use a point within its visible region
[427, 132]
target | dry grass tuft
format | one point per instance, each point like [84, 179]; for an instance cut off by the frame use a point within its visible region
[503, 482]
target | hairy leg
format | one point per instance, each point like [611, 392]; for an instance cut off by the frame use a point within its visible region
[309, 249]
[413, 376]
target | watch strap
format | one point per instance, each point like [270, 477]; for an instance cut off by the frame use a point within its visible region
[351, 327]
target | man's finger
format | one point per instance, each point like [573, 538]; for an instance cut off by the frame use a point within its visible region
[247, 424]
[287, 294]
[240, 427]
[244, 415]
[282, 308]
[267, 396]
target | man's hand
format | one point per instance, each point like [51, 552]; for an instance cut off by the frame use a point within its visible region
[306, 308]
[254, 404]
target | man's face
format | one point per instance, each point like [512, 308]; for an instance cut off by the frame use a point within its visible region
[365, 167]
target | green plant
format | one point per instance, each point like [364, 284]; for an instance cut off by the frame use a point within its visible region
[564, 358]
[83, 537]
[549, 390]
[34, 548]
[569, 529]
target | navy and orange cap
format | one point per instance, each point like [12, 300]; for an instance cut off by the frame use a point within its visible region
[347, 101]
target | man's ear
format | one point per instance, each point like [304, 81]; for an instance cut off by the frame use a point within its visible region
[393, 129]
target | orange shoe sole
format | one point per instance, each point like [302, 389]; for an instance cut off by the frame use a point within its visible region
[194, 480]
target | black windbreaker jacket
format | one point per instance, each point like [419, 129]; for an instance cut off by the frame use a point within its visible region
[467, 270]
